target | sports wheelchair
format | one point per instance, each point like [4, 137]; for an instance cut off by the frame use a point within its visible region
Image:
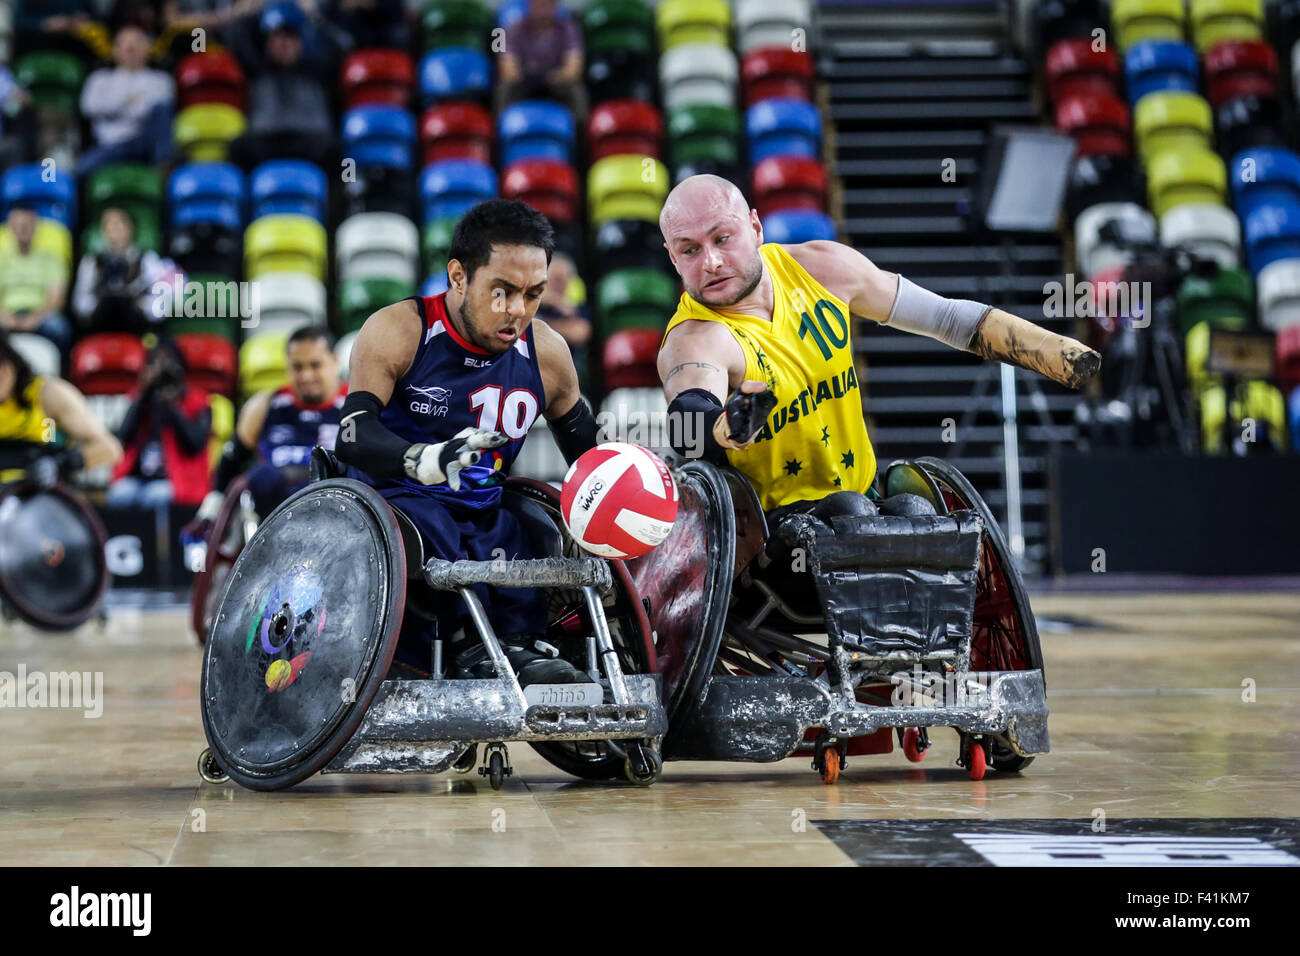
[917, 622]
[232, 528]
[296, 668]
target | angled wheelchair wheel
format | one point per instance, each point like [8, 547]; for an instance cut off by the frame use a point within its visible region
[225, 541]
[569, 623]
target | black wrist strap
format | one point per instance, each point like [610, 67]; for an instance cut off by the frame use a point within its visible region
[574, 431]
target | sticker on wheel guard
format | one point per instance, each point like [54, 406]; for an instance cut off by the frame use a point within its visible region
[564, 695]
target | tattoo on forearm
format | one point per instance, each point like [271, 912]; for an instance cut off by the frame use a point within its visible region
[686, 365]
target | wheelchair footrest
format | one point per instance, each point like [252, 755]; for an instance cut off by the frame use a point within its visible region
[600, 720]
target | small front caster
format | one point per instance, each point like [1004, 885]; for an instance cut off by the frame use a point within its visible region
[466, 761]
[973, 757]
[496, 765]
[828, 757]
[209, 769]
[643, 764]
[915, 743]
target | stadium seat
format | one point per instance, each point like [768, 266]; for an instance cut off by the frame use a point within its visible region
[1258, 401]
[379, 136]
[797, 225]
[1099, 125]
[1209, 230]
[535, 129]
[1293, 417]
[288, 300]
[622, 75]
[284, 243]
[629, 244]
[1245, 122]
[106, 363]
[455, 131]
[1223, 302]
[435, 284]
[454, 74]
[452, 186]
[618, 25]
[628, 358]
[1054, 20]
[698, 73]
[382, 244]
[222, 428]
[1155, 66]
[1073, 68]
[1098, 179]
[262, 364]
[220, 313]
[212, 362]
[789, 182]
[1266, 174]
[435, 243]
[625, 126]
[377, 77]
[635, 298]
[1279, 294]
[540, 457]
[51, 236]
[1272, 234]
[207, 246]
[42, 355]
[343, 352]
[1171, 121]
[207, 192]
[704, 131]
[1287, 363]
[693, 22]
[53, 78]
[456, 23]
[767, 23]
[1178, 176]
[644, 407]
[203, 132]
[211, 77]
[50, 191]
[148, 235]
[132, 187]
[548, 185]
[378, 188]
[360, 298]
[1136, 20]
[1092, 253]
[783, 128]
[1214, 21]
[289, 186]
[626, 187]
[1239, 68]
[776, 73]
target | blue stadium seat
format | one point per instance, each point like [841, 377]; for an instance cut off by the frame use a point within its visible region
[1293, 415]
[1265, 175]
[289, 185]
[379, 136]
[797, 225]
[512, 11]
[452, 186]
[435, 284]
[535, 129]
[1160, 65]
[454, 73]
[207, 193]
[52, 199]
[783, 127]
[1272, 233]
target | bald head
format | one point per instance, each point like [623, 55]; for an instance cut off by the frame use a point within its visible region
[696, 198]
[712, 238]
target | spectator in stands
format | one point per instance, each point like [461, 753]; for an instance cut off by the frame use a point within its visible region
[559, 310]
[17, 122]
[292, 61]
[33, 284]
[542, 58]
[165, 434]
[114, 286]
[129, 107]
[372, 23]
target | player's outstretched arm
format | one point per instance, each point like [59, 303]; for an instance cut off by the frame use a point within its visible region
[96, 445]
[894, 300]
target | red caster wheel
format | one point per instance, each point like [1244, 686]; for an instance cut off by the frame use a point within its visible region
[913, 749]
[975, 763]
[830, 766]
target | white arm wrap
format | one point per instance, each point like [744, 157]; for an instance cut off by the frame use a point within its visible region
[951, 321]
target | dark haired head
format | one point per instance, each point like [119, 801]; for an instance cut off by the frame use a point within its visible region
[505, 222]
[169, 348]
[23, 374]
[311, 333]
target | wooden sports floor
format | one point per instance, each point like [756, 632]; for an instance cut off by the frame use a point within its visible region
[1175, 726]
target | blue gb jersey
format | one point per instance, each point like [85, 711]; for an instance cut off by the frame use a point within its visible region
[292, 427]
[453, 385]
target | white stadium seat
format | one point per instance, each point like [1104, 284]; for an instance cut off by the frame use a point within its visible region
[1207, 229]
[343, 352]
[377, 245]
[286, 301]
[1278, 289]
[1090, 252]
[762, 23]
[698, 73]
[41, 354]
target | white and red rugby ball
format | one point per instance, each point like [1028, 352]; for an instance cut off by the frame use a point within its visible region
[619, 500]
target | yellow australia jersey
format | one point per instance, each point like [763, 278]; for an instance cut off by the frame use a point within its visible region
[22, 424]
[815, 441]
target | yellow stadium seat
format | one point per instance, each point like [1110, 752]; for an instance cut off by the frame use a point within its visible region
[204, 131]
[285, 243]
[1175, 177]
[1136, 20]
[627, 187]
[1173, 119]
[223, 425]
[51, 236]
[262, 362]
[1261, 403]
[1214, 21]
[693, 21]
[1196, 353]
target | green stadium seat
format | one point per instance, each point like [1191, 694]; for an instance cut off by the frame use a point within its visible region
[223, 293]
[618, 25]
[1224, 302]
[53, 78]
[435, 241]
[358, 298]
[459, 23]
[703, 131]
[148, 235]
[133, 187]
[635, 298]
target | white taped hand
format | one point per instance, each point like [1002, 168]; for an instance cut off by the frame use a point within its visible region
[443, 462]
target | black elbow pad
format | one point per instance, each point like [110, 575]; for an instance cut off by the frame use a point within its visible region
[691, 416]
[574, 431]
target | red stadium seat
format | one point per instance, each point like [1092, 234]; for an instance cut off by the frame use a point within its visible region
[212, 360]
[1288, 358]
[548, 185]
[213, 77]
[1100, 125]
[107, 363]
[1074, 68]
[1103, 321]
[629, 359]
[776, 72]
[616, 127]
[456, 131]
[377, 76]
[1240, 68]
[789, 182]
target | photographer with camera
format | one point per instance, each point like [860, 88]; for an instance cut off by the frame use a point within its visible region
[165, 434]
[113, 289]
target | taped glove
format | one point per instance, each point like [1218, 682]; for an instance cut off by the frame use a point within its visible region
[443, 462]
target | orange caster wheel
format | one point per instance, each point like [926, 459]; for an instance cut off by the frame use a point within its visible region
[830, 766]
[913, 748]
[975, 762]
